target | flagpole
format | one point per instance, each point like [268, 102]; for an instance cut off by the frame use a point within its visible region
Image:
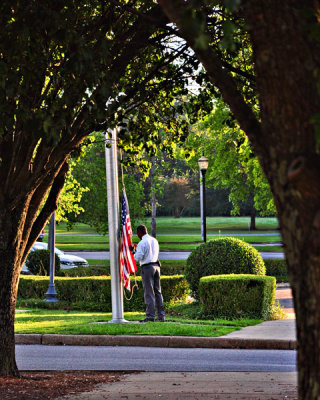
[114, 227]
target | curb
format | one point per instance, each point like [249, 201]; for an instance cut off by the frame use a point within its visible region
[156, 341]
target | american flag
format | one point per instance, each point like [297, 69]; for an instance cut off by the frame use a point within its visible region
[127, 261]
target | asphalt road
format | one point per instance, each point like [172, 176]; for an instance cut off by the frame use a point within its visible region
[38, 357]
[164, 255]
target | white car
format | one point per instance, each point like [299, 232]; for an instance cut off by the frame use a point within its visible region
[67, 261]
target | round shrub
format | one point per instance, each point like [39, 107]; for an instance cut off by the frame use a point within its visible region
[38, 262]
[222, 256]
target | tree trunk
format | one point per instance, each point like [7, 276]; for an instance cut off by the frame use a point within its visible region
[8, 294]
[153, 213]
[10, 258]
[286, 51]
[253, 220]
[20, 225]
[253, 213]
[286, 61]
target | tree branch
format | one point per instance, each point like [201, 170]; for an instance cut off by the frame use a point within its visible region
[218, 75]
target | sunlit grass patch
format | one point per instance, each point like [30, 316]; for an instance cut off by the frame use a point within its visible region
[75, 322]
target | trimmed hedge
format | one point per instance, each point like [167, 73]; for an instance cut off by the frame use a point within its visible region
[237, 296]
[94, 270]
[222, 256]
[168, 267]
[38, 262]
[277, 268]
[94, 293]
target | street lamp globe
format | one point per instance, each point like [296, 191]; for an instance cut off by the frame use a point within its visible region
[203, 163]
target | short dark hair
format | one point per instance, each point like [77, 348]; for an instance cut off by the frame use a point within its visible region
[142, 229]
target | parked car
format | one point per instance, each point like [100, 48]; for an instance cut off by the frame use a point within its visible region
[67, 261]
[41, 236]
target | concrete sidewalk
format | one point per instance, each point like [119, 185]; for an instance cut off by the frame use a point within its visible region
[196, 386]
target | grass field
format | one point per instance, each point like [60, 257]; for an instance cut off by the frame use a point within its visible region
[66, 239]
[172, 234]
[189, 225]
[76, 322]
[163, 247]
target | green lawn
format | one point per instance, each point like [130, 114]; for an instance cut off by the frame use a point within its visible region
[188, 225]
[77, 322]
[168, 226]
[82, 246]
[192, 225]
[164, 239]
[82, 229]
[163, 247]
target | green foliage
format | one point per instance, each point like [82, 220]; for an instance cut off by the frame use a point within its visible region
[277, 268]
[94, 293]
[38, 262]
[97, 270]
[70, 197]
[172, 267]
[168, 268]
[236, 296]
[232, 163]
[90, 172]
[222, 256]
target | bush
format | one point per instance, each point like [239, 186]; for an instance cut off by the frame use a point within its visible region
[278, 269]
[222, 256]
[94, 293]
[237, 296]
[98, 270]
[38, 262]
[168, 267]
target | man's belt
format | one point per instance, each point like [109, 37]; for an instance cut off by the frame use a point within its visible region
[156, 263]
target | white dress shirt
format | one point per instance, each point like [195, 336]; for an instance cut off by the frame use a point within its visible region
[147, 250]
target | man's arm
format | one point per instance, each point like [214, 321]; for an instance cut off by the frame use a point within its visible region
[140, 252]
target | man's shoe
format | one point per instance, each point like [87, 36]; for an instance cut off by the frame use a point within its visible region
[160, 319]
[148, 319]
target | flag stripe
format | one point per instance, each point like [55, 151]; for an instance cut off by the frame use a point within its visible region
[127, 261]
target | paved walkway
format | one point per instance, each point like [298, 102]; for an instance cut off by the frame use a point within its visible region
[197, 385]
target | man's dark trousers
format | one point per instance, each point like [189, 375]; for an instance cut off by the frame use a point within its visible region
[152, 290]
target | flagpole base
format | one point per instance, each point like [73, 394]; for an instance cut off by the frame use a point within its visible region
[118, 321]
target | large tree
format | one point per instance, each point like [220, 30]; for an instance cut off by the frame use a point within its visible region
[232, 163]
[285, 40]
[68, 69]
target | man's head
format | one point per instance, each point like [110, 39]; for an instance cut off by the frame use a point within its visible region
[141, 231]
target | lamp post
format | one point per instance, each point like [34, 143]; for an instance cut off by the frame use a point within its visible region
[51, 295]
[203, 165]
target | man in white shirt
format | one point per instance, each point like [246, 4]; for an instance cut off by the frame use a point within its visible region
[147, 253]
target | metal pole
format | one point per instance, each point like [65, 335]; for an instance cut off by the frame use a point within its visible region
[51, 295]
[114, 227]
[203, 204]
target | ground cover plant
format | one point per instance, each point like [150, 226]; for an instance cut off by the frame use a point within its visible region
[178, 323]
